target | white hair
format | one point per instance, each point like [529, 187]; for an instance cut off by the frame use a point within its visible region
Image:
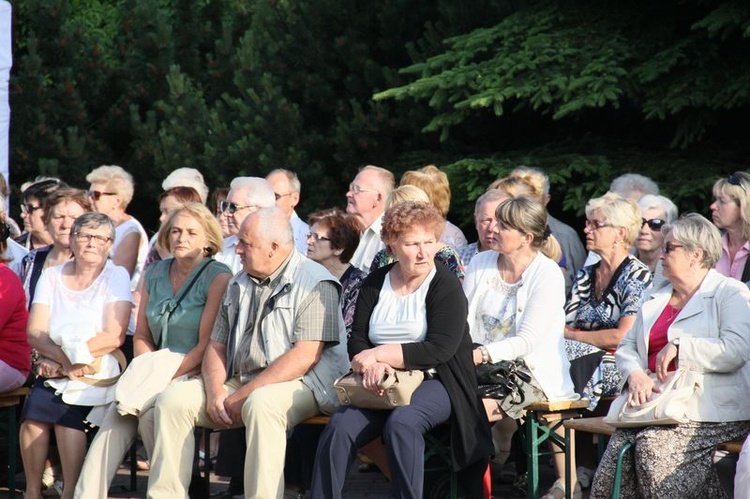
[259, 191]
[274, 226]
[187, 177]
[660, 203]
[633, 182]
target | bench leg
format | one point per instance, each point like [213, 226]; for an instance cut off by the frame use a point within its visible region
[618, 470]
[12, 444]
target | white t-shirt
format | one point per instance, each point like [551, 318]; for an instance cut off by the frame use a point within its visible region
[400, 319]
[81, 314]
[122, 230]
[70, 307]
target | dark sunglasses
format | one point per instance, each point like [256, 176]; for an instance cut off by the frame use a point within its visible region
[232, 208]
[654, 224]
[735, 179]
[96, 195]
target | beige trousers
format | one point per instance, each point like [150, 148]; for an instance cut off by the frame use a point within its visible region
[116, 434]
[267, 413]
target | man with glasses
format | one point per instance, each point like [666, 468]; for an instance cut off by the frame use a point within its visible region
[366, 198]
[286, 187]
[246, 195]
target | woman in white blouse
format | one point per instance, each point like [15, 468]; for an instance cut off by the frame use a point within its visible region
[516, 296]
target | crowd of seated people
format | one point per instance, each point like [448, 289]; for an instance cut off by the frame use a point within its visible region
[241, 316]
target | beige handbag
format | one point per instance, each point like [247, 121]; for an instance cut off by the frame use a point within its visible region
[666, 408]
[398, 387]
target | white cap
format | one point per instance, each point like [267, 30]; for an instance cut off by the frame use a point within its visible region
[187, 177]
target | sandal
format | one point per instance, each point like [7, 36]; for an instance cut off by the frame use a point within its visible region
[557, 491]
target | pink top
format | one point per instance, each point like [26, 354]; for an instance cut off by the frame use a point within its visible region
[735, 267]
[659, 336]
[14, 346]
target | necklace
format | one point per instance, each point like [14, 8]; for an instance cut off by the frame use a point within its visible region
[509, 275]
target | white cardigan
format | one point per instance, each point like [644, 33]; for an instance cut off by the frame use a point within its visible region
[540, 321]
[714, 332]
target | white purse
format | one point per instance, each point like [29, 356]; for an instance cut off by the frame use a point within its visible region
[669, 407]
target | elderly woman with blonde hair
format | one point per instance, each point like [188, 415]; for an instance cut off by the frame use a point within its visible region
[111, 191]
[434, 183]
[606, 296]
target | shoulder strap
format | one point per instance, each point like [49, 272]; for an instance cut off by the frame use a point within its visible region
[190, 285]
[173, 307]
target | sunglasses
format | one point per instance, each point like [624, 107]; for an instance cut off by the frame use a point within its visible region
[735, 179]
[231, 208]
[29, 209]
[669, 247]
[654, 224]
[96, 195]
[279, 196]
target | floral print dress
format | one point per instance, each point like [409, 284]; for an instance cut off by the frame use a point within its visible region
[622, 297]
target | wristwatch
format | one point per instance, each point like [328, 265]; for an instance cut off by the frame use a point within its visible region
[676, 342]
[485, 355]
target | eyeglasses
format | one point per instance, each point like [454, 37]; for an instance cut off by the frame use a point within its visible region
[232, 208]
[670, 247]
[596, 224]
[316, 237]
[279, 196]
[654, 224]
[82, 237]
[357, 189]
[28, 209]
[96, 195]
[735, 179]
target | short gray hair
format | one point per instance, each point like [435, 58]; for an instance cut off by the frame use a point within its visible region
[274, 226]
[187, 177]
[259, 191]
[659, 202]
[385, 177]
[695, 232]
[487, 197]
[294, 184]
[630, 182]
[94, 220]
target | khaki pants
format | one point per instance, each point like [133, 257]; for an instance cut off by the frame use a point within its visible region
[116, 434]
[267, 413]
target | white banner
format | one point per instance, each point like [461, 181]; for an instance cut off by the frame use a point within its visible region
[6, 60]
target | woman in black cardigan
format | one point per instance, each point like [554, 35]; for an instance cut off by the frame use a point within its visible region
[410, 315]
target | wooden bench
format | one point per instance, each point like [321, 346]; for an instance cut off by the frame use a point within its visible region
[437, 453]
[598, 427]
[9, 401]
[542, 421]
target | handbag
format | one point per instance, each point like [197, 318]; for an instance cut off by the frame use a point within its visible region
[668, 407]
[511, 383]
[397, 386]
